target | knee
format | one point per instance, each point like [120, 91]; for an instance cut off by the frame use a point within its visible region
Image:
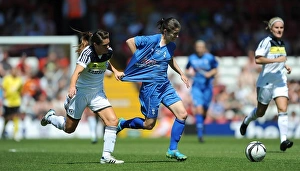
[112, 122]
[149, 126]
[182, 115]
[69, 130]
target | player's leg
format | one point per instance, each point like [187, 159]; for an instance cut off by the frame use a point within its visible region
[7, 117]
[173, 102]
[16, 121]
[201, 100]
[149, 108]
[177, 130]
[199, 118]
[111, 121]
[101, 106]
[70, 122]
[282, 103]
[264, 96]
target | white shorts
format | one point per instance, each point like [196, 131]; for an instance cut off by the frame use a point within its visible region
[94, 100]
[265, 95]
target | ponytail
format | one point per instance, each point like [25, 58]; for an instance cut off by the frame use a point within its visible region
[84, 40]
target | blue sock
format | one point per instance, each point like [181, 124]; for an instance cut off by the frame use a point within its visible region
[199, 125]
[135, 123]
[176, 132]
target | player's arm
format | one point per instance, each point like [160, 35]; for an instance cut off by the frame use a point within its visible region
[211, 73]
[74, 78]
[173, 64]
[118, 74]
[264, 60]
[131, 44]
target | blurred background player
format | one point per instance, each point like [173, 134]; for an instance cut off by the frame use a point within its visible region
[87, 90]
[272, 80]
[202, 67]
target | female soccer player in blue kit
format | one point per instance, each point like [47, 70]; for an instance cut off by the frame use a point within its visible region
[202, 66]
[149, 64]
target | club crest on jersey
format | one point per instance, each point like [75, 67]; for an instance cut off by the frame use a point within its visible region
[97, 67]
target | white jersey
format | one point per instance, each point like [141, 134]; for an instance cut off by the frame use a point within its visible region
[95, 66]
[272, 74]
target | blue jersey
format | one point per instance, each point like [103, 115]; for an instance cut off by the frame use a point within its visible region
[149, 64]
[150, 61]
[202, 88]
[201, 65]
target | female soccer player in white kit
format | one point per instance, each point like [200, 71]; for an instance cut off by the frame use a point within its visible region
[86, 90]
[272, 81]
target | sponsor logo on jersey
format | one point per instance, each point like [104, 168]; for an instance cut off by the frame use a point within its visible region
[97, 67]
[277, 50]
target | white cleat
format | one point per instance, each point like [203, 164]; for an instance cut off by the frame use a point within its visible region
[44, 120]
[110, 160]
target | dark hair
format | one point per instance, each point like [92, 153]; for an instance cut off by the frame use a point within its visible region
[90, 38]
[169, 24]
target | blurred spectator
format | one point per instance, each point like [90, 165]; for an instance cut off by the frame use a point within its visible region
[5, 66]
[30, 91]
[294, 91]
[246, 87]
[74, 13]
[22, 65]
[12, 86]
[216, 111]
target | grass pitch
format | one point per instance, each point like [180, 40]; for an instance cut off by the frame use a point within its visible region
[217, 153]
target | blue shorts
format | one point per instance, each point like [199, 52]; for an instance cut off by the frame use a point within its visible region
[202, 96]
[152, 94]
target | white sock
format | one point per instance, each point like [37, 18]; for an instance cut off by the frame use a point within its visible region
[283, 126]
[58, 121]
[93, 127]
[110, 135]
[251, 117]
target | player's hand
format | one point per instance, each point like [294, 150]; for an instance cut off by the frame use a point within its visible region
[289, 69]
[72, 92]
[185, 80]
[119, 75]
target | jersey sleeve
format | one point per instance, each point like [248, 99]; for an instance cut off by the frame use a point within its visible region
[140, 41]
[188, 65]
[214, 62]
[84, 59]
[263, 48]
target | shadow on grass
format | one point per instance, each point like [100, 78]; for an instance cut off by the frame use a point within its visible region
[154, 161]
[146, 161]
[275, 151]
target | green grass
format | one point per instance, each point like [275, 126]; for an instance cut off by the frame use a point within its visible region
[216, 154]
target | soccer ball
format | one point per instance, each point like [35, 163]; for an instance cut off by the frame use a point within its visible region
[255, 151]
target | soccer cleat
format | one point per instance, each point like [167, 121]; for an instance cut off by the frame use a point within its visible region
[110, 160]
[175, 154]
[286, 144]
[243, 127]
[44, 120]
[119, 128]
[94, 141]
